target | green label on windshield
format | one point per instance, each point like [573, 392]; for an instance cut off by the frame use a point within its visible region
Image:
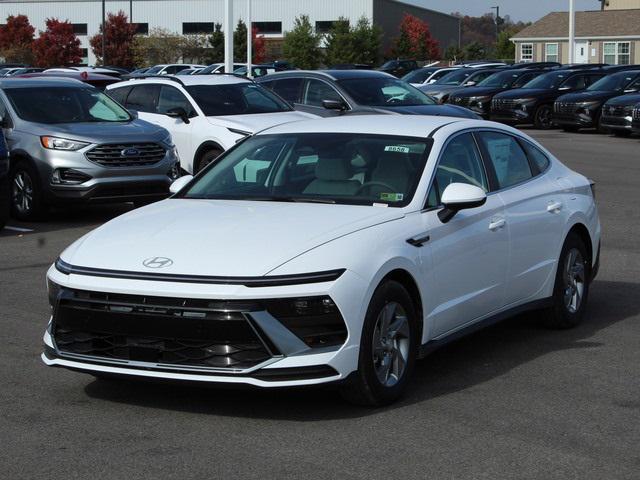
[391, 197]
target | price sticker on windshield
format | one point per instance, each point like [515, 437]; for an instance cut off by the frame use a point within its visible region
[397, 149]
[391, 197]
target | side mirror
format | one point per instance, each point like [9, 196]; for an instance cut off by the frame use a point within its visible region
[470, 83]
[179, 183]
[5, 122]
[334, 105]
[179, 112]
[565, 88]
[133, 113]
[460, 196]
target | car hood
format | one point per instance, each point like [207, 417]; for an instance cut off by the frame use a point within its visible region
[438, 110]
[259, 121]
[220, 237]
[631, 99]
[434, 88]
[478, 91]
[98, 132]
[587, 96]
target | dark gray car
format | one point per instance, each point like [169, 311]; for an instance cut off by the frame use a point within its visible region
[338, 92]
[69, 142]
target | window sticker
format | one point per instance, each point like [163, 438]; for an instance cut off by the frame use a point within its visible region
[397, 149]
[391, 197]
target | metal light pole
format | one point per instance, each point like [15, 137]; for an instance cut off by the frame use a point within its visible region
[130, 11]
[497, 9]
[249, 40]
[104, 9]
[228, 36]
[572, 31]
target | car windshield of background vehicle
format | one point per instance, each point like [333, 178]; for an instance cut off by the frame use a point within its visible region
[236, 99]
[153, 70]
[499, 80]
[384, 92]
[65, 105]
[612, 83]
[419, 75]
[341, 168]
[457, 77]
[547, 81]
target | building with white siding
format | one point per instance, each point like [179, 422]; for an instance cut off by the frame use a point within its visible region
[272, 17]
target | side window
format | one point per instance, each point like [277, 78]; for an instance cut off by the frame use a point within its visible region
[635, 85]
[538, 159]
[119, 94]
[318, 91]
[593, 79]
[460, 162]
[507, 157]
[288, 88]
[577, 82]
[524, 79]
[170, 98]
[143, 98]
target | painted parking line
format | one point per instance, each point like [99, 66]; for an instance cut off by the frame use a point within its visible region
[18, 229]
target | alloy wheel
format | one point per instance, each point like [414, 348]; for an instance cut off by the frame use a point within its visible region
[391, 344]
[544, 117]
[574, 280]
[22, 192]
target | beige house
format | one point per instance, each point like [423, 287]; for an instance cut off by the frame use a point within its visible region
[611, 35]
[620, 4]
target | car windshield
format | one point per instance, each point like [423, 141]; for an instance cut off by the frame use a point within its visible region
[613, 83]
[389, 64]
[210, 69]
[419, 75]
[457, 77]
[384, 92]
[236, 99]
[500, 80]
[341, 168]
[65, 105]
[155, 69]
[548, 81]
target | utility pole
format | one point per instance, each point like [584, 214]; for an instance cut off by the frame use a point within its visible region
[572, 31]
[249, 41]
[104, 11]
[497, 9]
[228, 36]
[130, 11]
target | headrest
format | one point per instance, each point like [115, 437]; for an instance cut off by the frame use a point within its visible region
[333, 169]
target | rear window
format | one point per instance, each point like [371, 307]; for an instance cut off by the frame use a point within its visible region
[236, 99]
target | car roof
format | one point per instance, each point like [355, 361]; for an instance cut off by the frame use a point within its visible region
[406, 125]
[40, 81]
[187, 80]
[331, 74]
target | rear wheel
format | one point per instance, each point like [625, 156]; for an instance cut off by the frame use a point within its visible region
[571, 289]
[388, 348]
[25, 193]
[542, 118]
[207, 157]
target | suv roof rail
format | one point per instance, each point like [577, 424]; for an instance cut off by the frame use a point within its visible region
[237, 75]
[164, 77]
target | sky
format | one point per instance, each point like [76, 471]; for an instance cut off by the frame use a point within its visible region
[526, 10]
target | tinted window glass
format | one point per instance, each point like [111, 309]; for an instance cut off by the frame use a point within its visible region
[456, 77]
[236, 99]
[288, 88]
[317, 91]
[143, 98]
[539, 159]
[549, 80]
[171, 98]
[384, 92]
[577, 82]
[460, 163]
[507, 157]
[524, 79]
[119, 94]
[419, 75]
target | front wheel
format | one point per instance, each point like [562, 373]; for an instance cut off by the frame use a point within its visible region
[388, 348]
[208, 157]
[542, 118]
[25, 193]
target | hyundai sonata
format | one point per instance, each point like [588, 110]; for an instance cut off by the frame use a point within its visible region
[335, 250]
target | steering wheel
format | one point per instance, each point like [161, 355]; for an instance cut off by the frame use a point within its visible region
[370, 184]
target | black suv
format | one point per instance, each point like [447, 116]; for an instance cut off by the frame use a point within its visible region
[398, 68]
[533, 103]
[478, 98]
[617, 114]
[329, 93]
[457, 80]
[635, 125]
[583, 109]
[4, 181]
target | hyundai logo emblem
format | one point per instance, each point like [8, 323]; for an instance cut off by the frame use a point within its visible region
[157, 262]
[130, 152]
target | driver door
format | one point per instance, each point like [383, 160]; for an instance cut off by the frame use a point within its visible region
[181, 132]
[466, 279]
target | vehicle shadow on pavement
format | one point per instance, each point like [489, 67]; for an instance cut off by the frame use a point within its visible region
[470, 361]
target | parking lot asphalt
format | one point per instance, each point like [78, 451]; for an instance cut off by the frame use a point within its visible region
[512, 401]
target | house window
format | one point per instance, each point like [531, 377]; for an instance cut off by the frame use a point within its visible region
[268, 28]
[79, 28]
[616, 53]
[85, 56]
[324, 27]
[142, 28]
[551, 52]
[195, 28]
[526, 52]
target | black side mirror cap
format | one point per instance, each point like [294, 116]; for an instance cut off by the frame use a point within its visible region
[179, 112]
[334, 105]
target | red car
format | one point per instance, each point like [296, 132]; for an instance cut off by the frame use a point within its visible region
[97, 80]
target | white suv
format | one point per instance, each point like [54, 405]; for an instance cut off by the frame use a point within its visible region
[206, 115]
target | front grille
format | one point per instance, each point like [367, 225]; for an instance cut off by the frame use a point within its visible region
[126, 155]
[636, 114]
[166, 331]
[503, 104]
[565, 107]
[617, 110]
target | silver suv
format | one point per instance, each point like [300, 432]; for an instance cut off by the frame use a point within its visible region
[69, 142]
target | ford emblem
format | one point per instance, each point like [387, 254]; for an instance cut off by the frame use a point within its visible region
[130, 152]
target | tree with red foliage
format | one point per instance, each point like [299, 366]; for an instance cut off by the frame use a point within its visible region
[119, 41]
[57, 45]
[415, 40]
[259, 49]
[16, 39]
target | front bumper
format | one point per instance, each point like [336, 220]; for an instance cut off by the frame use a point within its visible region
[118, 189]
[635, 126]
[616, 123]
[512, 117]
[294, 364]
[580, 120]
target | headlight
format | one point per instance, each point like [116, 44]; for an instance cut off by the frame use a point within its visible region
[482, 99]
[525, 100]
[55, 143]
[588, 104]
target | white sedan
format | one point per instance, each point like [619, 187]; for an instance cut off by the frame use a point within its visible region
[335, 250]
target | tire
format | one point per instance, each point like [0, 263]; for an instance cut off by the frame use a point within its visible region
[25, 193]
[573, 275]
[622, 133]
[542, 118]
[206, 158]
[4, 201]
[370, 385]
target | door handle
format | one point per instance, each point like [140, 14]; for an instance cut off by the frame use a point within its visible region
[554, 207]
[497, 223]
[418, 241]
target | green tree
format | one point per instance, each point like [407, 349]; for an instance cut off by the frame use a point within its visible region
[475, 51]
[339, 47]
[366, 42]
[160, 46]
[505, 49]
[300, 45]
[240, 42]
[216, 41]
